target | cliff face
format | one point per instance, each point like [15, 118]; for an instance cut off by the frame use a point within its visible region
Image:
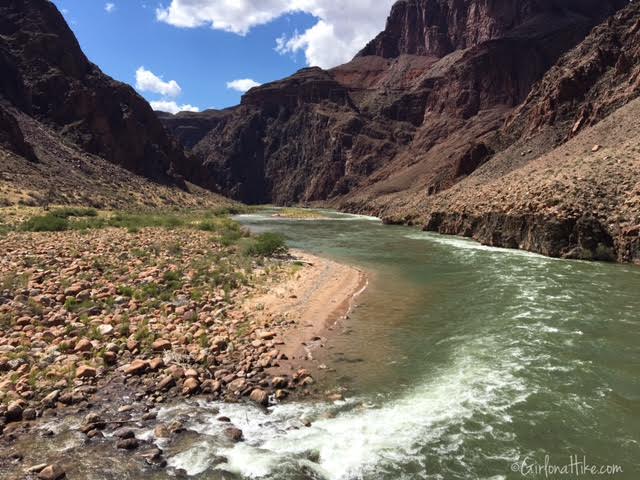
[599, 76]
[565, 180]
[439, 27]
[46, 76]
[415, 108]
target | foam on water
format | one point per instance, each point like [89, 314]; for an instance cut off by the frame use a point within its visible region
[355, 440]
[332, 216]
[468, 244]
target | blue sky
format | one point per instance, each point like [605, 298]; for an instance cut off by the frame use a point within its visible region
[201, 45]
[201, 60]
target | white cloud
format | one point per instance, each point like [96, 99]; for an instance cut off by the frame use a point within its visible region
[110, 7]
[242, 85]
[342, 29]
[172, 107]
[147, 81]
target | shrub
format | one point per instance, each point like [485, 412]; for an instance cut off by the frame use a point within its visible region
[45, 223]
[207, 226]
[265, 245]
[125, 291]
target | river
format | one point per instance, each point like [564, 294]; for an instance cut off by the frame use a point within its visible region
[460, 362]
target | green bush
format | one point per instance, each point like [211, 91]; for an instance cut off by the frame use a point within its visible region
[265, 245]
[207, 226]
[45, 223]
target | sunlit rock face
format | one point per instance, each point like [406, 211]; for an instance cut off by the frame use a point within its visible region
[413, 108]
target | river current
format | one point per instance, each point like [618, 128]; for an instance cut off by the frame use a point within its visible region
[460, 361]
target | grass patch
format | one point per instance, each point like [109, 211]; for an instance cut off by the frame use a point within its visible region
[75, 306]
[125, 291]
[70, 218]
[58, 220]
[229, 231]
[267, 244]
[11, 281]
[45, 223]
[300, 214]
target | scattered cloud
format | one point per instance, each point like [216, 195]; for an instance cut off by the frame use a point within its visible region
[242, 85]
[147, 81]
[172, 107]
[110, 7]
[342, 29]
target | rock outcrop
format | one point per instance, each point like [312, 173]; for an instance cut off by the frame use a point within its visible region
[565, 180]
[439, 27]
[46, 76]
[413, 108]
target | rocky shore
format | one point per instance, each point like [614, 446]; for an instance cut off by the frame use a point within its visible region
[108, 325]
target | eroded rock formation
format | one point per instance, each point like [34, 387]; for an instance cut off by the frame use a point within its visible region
[413, 108]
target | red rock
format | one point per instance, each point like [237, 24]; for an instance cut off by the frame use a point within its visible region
[137, 367]
[190, 386]
[51, 472]
[161, 345]
[156, 364]
[413, 98]
[83, 345]
[259, 396]
[110, 358]
[211, 386]
[142, 147]
[166, 382]
[85, 371]
[279, 382]
[237, 385]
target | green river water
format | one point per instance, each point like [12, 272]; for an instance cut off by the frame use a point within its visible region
[464, 361]
[459, 362]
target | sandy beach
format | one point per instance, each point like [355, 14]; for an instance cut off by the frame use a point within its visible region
[314, 299]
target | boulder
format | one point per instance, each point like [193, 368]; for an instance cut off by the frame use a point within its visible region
[161, 345]
[127, 444]
[105, 330]
[237, 385]
[83, 345]
[166, 382]
[260, 397]
[85, 371]
[190, 386]
[234, 434]
[14, 411]
[51, 472]
[161, 431]
[137, 367]
[124, 433]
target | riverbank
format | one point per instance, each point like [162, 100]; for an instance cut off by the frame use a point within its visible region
[320, 294]
[106, 325]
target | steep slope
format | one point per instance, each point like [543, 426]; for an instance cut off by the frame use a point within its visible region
[566, 181]
[439, 27]
[54, 171]
[46, 76]
[414, 110]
